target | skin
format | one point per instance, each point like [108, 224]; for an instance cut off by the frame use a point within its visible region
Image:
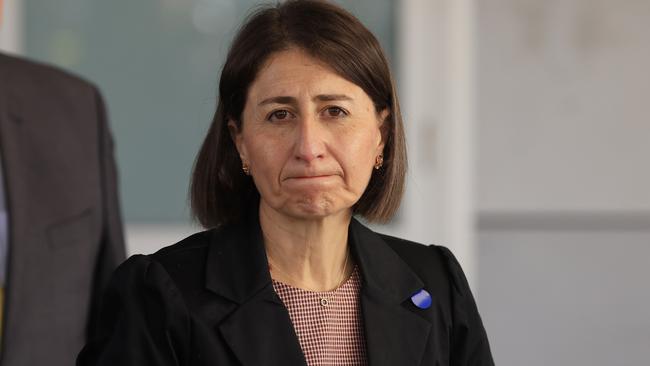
[311, 139]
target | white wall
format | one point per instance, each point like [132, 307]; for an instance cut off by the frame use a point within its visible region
[11, 26]
[563, 180]
[147, 238]
[564, 105]
[437, 92]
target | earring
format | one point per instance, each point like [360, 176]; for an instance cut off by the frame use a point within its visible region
[246, 168]
[379, 161]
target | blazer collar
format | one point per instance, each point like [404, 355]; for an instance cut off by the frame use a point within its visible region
[396, 332]
[237, 267]
[385, 274]
[259, 331]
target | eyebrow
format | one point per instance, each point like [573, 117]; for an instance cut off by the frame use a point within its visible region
[292, 100]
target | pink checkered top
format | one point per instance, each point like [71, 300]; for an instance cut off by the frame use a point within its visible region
[331, 334]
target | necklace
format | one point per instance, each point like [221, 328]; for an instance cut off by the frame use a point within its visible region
[323, 300]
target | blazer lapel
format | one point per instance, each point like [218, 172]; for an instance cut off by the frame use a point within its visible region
[259, 331]
[395, 333]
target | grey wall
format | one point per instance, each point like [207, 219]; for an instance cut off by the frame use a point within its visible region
[566, 297]
[563, 180]
[564, 104]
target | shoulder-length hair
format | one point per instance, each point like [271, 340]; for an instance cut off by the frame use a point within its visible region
[220, 192]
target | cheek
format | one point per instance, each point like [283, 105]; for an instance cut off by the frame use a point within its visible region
[259, 144]
[266, 156]
[367, 143]
[358, 156]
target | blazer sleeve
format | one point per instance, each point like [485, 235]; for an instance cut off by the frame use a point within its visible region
[469, 342]
[111, 247]
[143, 320]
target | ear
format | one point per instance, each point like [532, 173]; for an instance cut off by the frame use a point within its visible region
[384, 127]
[237, 138]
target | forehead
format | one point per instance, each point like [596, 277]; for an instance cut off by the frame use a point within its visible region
[293, 72]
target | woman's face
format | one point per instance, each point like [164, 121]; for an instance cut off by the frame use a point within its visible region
[309, 136]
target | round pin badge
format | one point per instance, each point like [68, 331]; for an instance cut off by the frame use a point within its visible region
[421, 299]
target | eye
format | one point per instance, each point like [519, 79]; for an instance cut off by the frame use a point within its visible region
[335, 112]
[279, 115]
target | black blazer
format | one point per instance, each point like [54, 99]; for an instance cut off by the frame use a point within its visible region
[209, 300]
[65, 231]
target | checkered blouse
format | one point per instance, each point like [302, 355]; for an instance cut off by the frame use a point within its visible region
[328, 324]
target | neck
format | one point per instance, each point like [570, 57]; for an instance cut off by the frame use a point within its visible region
[308, 254]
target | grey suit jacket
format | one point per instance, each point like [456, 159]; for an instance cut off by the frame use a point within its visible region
[65, 233]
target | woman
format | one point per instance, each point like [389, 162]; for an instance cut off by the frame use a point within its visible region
[307, 133]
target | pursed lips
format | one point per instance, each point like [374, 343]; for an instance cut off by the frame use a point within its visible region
[311, 176]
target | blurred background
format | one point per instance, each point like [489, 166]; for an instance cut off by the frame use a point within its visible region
[528, 124]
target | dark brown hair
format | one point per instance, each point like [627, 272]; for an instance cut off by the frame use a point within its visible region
[220, 191]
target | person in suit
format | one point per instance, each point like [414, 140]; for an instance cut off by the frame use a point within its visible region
[307, 134]
[60, 227]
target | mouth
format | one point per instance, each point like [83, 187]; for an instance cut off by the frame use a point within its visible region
[309, 177]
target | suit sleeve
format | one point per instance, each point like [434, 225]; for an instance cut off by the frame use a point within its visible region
[112, 249]
[469, 342]
[143, 321]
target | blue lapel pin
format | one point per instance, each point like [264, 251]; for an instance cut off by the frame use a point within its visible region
[421, 299]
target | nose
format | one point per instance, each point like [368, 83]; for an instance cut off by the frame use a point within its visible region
[310, 143]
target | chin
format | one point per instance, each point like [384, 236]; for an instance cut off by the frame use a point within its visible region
[309, 206]
[313, 207]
